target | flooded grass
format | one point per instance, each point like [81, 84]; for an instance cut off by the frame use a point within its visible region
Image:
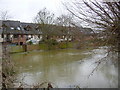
[64, 67]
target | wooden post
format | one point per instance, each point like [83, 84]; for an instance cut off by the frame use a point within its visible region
[25, 47]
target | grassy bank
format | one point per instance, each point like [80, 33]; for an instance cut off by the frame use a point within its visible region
[53, 45]
[41, 46]
[61, 45]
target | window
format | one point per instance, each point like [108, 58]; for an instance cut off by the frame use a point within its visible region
[12, 28]
[2, 35]
[21, 43]
[22, 36]
[16, 36]
[26, 28]
[18, 28]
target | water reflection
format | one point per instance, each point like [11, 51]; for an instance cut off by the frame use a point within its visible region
[66, 68]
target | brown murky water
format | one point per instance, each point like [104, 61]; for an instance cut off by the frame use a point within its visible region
[66, 68]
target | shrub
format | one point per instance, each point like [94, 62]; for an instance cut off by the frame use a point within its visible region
[51, 42]
[30, 42]
[62, 45]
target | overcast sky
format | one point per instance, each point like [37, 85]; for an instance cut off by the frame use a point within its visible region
[26, 10]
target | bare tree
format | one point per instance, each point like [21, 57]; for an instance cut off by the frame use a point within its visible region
[103, 16]
[4, 15]
[45, 19]
[65, 21]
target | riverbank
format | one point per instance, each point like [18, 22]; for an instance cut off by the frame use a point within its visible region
[41, 46]
[45, 47]
[52, 46]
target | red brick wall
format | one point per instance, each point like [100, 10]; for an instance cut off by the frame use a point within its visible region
[19, 39]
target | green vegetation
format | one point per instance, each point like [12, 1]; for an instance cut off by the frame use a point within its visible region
[30, 42]
[16, 49]
[52, 44]
[64, 45]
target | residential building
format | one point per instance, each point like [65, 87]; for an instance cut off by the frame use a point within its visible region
[16, 32]
[19, 33]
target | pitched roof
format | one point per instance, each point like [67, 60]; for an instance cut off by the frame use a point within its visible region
[11, 23]
[15, 24]
[51, 29]
[32, 25]
[32, 28]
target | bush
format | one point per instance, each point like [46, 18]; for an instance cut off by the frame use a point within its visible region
[30, 42]
[62, 45]
[51, 42]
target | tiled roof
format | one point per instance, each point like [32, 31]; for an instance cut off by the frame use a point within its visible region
[10, 27]
[11, 23]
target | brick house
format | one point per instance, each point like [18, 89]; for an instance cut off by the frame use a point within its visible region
[12, 32]
[19, 33]
[16, 32]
